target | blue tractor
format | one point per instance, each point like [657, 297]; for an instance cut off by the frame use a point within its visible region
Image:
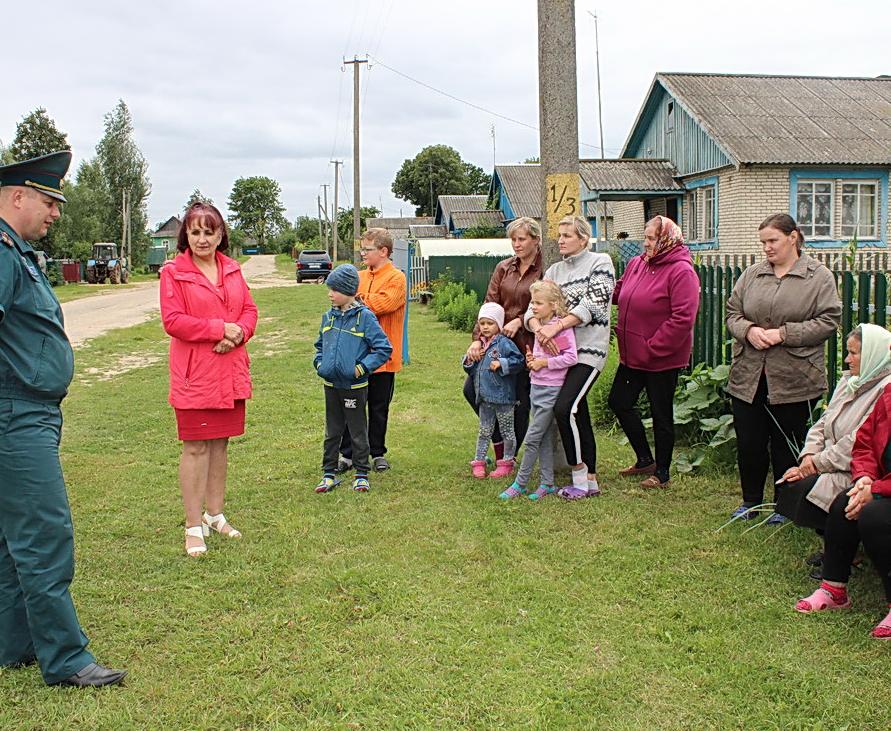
[105, 263]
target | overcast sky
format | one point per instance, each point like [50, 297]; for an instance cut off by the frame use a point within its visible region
[221, 90]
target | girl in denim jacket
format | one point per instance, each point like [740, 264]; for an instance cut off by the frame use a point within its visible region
[494, 382]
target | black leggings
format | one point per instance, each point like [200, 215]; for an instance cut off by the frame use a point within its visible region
[767, 436]
[623, 395]
[573, 419]
[843, 536]
[521, 410]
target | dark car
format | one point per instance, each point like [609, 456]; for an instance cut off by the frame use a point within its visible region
[313, 264]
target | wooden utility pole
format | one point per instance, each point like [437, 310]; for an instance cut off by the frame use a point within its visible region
[558, 120]
[357, 208]
[335, 253]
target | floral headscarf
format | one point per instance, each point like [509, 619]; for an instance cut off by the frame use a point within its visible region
[670, 236]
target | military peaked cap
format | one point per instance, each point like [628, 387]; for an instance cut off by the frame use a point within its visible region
[43, 174]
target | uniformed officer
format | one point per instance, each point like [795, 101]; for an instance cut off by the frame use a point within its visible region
[37, 617]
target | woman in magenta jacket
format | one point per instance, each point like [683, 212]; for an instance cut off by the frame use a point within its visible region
[658, 298]
[208, 312]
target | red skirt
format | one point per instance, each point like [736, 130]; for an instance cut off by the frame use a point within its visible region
[199, 424]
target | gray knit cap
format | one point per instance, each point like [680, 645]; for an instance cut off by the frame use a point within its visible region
[344, 279]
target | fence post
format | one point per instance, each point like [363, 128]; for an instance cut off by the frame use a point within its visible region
[880, 288]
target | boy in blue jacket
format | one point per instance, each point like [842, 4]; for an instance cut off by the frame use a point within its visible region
[351, 345]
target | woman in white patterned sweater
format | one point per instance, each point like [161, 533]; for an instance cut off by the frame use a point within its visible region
[587, 280]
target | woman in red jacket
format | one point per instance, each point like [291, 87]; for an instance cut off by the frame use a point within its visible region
[658, 298]
[208, 312]
[861, 514]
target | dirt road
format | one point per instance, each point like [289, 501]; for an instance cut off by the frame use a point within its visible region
[93, 316]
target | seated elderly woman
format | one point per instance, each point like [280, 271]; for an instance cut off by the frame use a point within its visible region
[805, 492]
[860, 514]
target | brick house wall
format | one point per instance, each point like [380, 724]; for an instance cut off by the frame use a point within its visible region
[628, 216]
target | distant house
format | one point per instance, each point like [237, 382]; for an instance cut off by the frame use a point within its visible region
[516, 191]
[449, 205]
[427, 232]
[463, 220]
[167, 233]
[741, 147]
[399, 227]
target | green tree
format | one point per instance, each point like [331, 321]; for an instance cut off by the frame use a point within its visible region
[82, 223]
[307, 229]
[437, 170]
[37, 135]
[124, 168]
[484, 232]
[197, 197]
[6, 157]
[256, 208]
[532, 161]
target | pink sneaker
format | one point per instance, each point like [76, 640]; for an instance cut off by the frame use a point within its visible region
[478, 467]
[503, 468]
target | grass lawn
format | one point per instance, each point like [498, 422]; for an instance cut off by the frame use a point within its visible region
[426, 603]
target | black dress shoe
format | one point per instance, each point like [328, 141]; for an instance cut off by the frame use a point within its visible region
[94, 675]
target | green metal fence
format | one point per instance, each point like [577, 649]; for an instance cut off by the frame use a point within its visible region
[864, 297]
[474, 271]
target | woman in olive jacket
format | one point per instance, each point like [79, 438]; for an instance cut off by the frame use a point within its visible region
[779, 314]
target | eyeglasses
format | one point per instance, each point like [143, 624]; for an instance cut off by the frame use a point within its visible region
[363, 250]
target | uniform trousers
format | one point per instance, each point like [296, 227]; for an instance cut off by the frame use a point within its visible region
[37, 615]
[345, 407]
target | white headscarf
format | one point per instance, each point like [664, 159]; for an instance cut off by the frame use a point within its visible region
[875, 355]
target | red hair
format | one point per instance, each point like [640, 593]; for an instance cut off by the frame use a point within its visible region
[208, 214]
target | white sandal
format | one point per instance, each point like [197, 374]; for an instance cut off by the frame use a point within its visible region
[197, 531]
[217, 523]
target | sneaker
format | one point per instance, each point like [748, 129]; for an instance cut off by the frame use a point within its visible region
[503, 468]
[542, 491]
[513, 491]
[343, 465]
[361, 484]
[744, 512]
[380, 464]
[777, 519]
[327, 484]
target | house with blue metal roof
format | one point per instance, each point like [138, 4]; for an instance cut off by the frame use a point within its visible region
[741, 147]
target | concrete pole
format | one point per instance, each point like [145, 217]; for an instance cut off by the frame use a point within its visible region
[558, 120]
[357, 207]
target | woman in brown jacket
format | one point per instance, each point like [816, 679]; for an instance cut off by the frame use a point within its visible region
[509, 287]
[780, 314]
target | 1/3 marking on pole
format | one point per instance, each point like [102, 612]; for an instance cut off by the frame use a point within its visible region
[562, 199]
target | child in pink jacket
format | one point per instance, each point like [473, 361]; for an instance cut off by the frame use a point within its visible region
[547, 373]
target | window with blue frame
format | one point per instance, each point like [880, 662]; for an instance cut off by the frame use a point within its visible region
[702, 211]
[860, 214]
[837, 208]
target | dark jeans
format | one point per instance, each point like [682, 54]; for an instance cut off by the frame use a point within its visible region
[623, 395]
[380, 393]
[346, 408]
[767, 436]
[843, 536]
[521, 410]
[573, 419]
[793, 503]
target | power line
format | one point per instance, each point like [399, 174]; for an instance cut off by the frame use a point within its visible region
[378, 62]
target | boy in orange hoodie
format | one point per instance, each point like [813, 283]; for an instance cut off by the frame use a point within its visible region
[382, 288]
